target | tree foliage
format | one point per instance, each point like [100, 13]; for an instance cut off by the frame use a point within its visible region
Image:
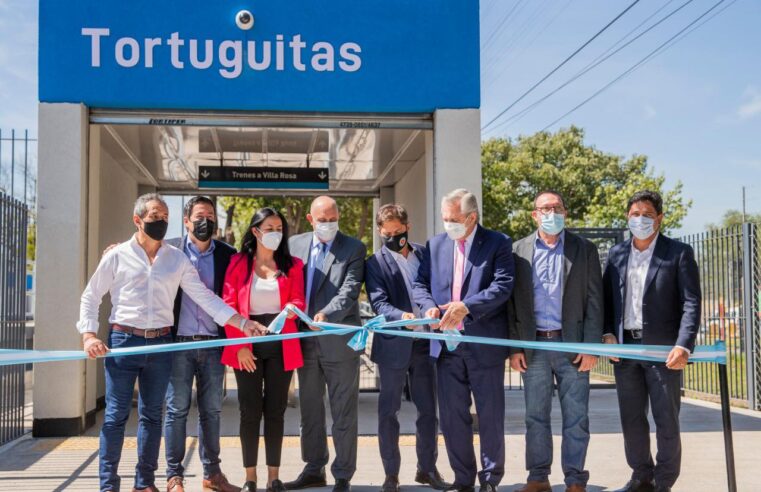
[595, 184]
[356, 215]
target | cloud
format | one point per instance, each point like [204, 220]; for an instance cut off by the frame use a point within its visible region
[752, 106]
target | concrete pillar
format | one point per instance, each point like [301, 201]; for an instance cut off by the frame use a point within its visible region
[59, 388]
[456, 157]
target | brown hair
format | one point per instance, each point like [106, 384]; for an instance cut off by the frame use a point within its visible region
[391, 211]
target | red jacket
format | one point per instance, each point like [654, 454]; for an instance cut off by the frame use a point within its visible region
[237, 291]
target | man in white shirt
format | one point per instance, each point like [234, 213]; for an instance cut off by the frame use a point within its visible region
[652, 297]
[142, 276]
[389, 276]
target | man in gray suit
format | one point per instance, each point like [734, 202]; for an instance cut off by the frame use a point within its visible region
[557, 298]
[334, 271]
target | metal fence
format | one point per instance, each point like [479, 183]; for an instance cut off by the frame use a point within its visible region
[13, 237]
[728, 260]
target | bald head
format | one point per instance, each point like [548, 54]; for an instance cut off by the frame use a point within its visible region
[323, 209]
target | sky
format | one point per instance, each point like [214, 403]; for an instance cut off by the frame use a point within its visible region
[694, 110]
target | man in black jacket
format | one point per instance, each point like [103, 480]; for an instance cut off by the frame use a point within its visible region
[211, 258]
[652, 297]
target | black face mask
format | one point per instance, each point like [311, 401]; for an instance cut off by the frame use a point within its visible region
[395, 243]
[203, 229]
[156, 230]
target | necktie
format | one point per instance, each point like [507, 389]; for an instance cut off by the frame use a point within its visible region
[318, 274]
[459, 271]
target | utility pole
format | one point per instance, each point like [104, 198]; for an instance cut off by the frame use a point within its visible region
[743, 204]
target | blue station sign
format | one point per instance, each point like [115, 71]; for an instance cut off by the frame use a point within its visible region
[387, 56]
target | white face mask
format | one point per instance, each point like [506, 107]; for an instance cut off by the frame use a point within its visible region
[641, 227]
[455, 230]
[271, 240]
[326, 231]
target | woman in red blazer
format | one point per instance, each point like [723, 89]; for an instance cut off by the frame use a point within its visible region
[262, 280]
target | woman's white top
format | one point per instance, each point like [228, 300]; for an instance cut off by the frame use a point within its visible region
[265, 296]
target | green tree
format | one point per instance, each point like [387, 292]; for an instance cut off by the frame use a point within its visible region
[596, 185]
[734, 218]
[356, 215]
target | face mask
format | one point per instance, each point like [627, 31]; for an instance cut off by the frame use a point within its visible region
[455, 230]
[326, 231]
[552, 223]
[395, 243]
[203, 229]
[155, 230]
[641, 227]
[271, 240]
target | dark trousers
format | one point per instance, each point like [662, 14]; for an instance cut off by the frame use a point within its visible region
[459, 374]
[263, 392]
[639, 383]
[422, 375]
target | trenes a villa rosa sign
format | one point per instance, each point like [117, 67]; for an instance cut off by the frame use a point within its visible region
[283, 55]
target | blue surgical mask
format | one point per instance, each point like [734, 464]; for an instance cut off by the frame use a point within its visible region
[553, 223]
[641, 227]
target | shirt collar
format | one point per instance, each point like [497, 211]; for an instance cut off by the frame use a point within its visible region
[399, 256]
[540, 242]
[190, 245]
[648, 251]
[470, 237]
[316, 241]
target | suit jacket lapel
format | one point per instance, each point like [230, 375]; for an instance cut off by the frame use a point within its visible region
[525, 250]
[661, 248]
[570, 250]
[475, 249]
[448, 262]
[392, 267]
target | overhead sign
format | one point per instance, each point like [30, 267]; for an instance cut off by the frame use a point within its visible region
[285, 55]
[263, 177]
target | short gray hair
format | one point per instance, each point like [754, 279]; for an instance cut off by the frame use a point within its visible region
[468, 201]
[141, 204]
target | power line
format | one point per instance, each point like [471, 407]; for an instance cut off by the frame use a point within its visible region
[499, 26]
[657, 51]
[561, 64]
[517, 56]
[591, 66]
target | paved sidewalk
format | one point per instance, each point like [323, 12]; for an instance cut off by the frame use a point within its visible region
[71, 464]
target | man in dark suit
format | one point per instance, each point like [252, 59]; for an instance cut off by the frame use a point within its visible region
[652, 297]
[335, 267]
[191, 323]
[389, 275]
[467, 274]
[557, 298]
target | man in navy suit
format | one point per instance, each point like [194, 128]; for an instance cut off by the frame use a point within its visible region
[652, 297]
[389, 275]
[467, 274]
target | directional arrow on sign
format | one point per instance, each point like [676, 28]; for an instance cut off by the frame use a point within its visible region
[322, 175]
[205, 174]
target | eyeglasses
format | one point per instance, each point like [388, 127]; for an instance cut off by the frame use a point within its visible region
[548, 210]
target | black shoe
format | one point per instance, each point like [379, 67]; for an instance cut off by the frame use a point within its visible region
[434, 479]
[305, 481]
[342, 485]
[487, 487]
[391, 484]
[249, 487]
[462, 488]
[276, 486]
[635, 485]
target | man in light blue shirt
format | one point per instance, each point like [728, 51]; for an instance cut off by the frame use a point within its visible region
[557, 298]
[194, 320]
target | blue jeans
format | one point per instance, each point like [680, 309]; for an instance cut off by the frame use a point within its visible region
[209, 373]
[152, 372]
[544, 368]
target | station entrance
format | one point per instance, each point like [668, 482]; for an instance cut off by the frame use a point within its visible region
[145, 97]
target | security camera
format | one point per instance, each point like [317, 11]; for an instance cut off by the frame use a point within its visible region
[245, 20]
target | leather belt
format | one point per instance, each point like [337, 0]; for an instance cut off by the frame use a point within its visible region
[195, 338]
[548, 334]
[634, 334]
[150, 333]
